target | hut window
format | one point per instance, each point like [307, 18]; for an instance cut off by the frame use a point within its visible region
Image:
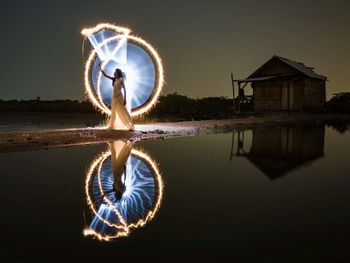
[263, 94]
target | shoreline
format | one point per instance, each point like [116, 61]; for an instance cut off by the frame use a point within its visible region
[43, 139]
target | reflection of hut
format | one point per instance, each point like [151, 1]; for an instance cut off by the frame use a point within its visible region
[283, 84]
[277, 151]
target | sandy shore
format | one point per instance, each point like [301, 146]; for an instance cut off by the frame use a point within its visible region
[32, 140]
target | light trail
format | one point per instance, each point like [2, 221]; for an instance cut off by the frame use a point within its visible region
[123, 228]
[134, 84]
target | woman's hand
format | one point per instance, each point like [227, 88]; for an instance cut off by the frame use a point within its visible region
[104, 73]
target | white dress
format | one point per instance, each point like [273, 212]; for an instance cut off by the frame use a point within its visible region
[120, 152]
[120, 117]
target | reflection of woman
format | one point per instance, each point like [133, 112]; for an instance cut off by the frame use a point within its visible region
[120, 152]
[120, 117]
[122, 200]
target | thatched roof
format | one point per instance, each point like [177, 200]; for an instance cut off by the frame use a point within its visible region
[300, 67]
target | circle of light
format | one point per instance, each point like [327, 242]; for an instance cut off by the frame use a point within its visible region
[131, 72]
[97, 102]
[124, 227]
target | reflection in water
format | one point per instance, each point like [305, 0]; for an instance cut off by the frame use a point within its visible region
[277, 151]
[124, 190]
[340, 126]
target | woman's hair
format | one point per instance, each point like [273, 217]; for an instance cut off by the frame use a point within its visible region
[120, 73]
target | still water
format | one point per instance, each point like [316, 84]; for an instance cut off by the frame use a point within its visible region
[267, 195]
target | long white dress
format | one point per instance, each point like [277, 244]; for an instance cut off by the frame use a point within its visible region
[120, 117]
[120, 152]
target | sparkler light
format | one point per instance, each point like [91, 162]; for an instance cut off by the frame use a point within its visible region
[138, 204]
[118, 48]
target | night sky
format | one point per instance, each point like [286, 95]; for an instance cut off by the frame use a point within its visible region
[200, 42]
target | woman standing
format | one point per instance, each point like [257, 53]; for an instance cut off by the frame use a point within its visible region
[120, 152]
[120, 117]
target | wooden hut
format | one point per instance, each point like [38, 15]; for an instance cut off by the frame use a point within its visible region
[282, 84]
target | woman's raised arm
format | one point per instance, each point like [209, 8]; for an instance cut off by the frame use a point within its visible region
[104, 73]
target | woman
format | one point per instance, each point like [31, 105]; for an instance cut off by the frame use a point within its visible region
[120, 117]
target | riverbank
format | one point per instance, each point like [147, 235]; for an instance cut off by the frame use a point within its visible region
[41, 139]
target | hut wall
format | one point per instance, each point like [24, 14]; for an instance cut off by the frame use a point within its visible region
[304, 143]
[266, 142]
[298, 95]
[267, 95]
[308, 95]
[314, 97]
[279, 142]
[279, 150]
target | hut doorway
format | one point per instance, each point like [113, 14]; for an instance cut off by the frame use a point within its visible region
[287, 95]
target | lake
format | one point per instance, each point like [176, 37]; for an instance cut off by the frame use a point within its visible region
[267, 195]
[34, 121]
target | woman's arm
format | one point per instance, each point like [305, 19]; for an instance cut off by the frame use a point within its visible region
[124, 93]
[104, 73]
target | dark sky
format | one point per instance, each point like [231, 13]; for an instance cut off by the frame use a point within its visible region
[200, 42]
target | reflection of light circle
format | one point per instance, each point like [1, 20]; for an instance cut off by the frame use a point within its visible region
[123, 227]
[159, 80]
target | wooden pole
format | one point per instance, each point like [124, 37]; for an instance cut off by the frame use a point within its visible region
[233, 91]
[288, 90]
[238, 142]
[239, 97]
[232, 144]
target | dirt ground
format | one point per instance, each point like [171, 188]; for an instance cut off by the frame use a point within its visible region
[32, 140]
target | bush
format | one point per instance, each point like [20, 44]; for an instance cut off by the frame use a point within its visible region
[340, 103]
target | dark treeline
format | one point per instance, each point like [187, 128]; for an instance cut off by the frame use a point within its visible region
[46, 106]
[182, 107]
[171, 106]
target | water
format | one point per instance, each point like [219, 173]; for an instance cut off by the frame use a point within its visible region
[10, 122]
[268, 195]
[36, 127]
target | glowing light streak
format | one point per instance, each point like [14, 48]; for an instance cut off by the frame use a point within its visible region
[120, 217]
[159, 180]
[98, 89]
[122, 42]
[123, 36]
[90, 203]
[101, 26]
[123, 229]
